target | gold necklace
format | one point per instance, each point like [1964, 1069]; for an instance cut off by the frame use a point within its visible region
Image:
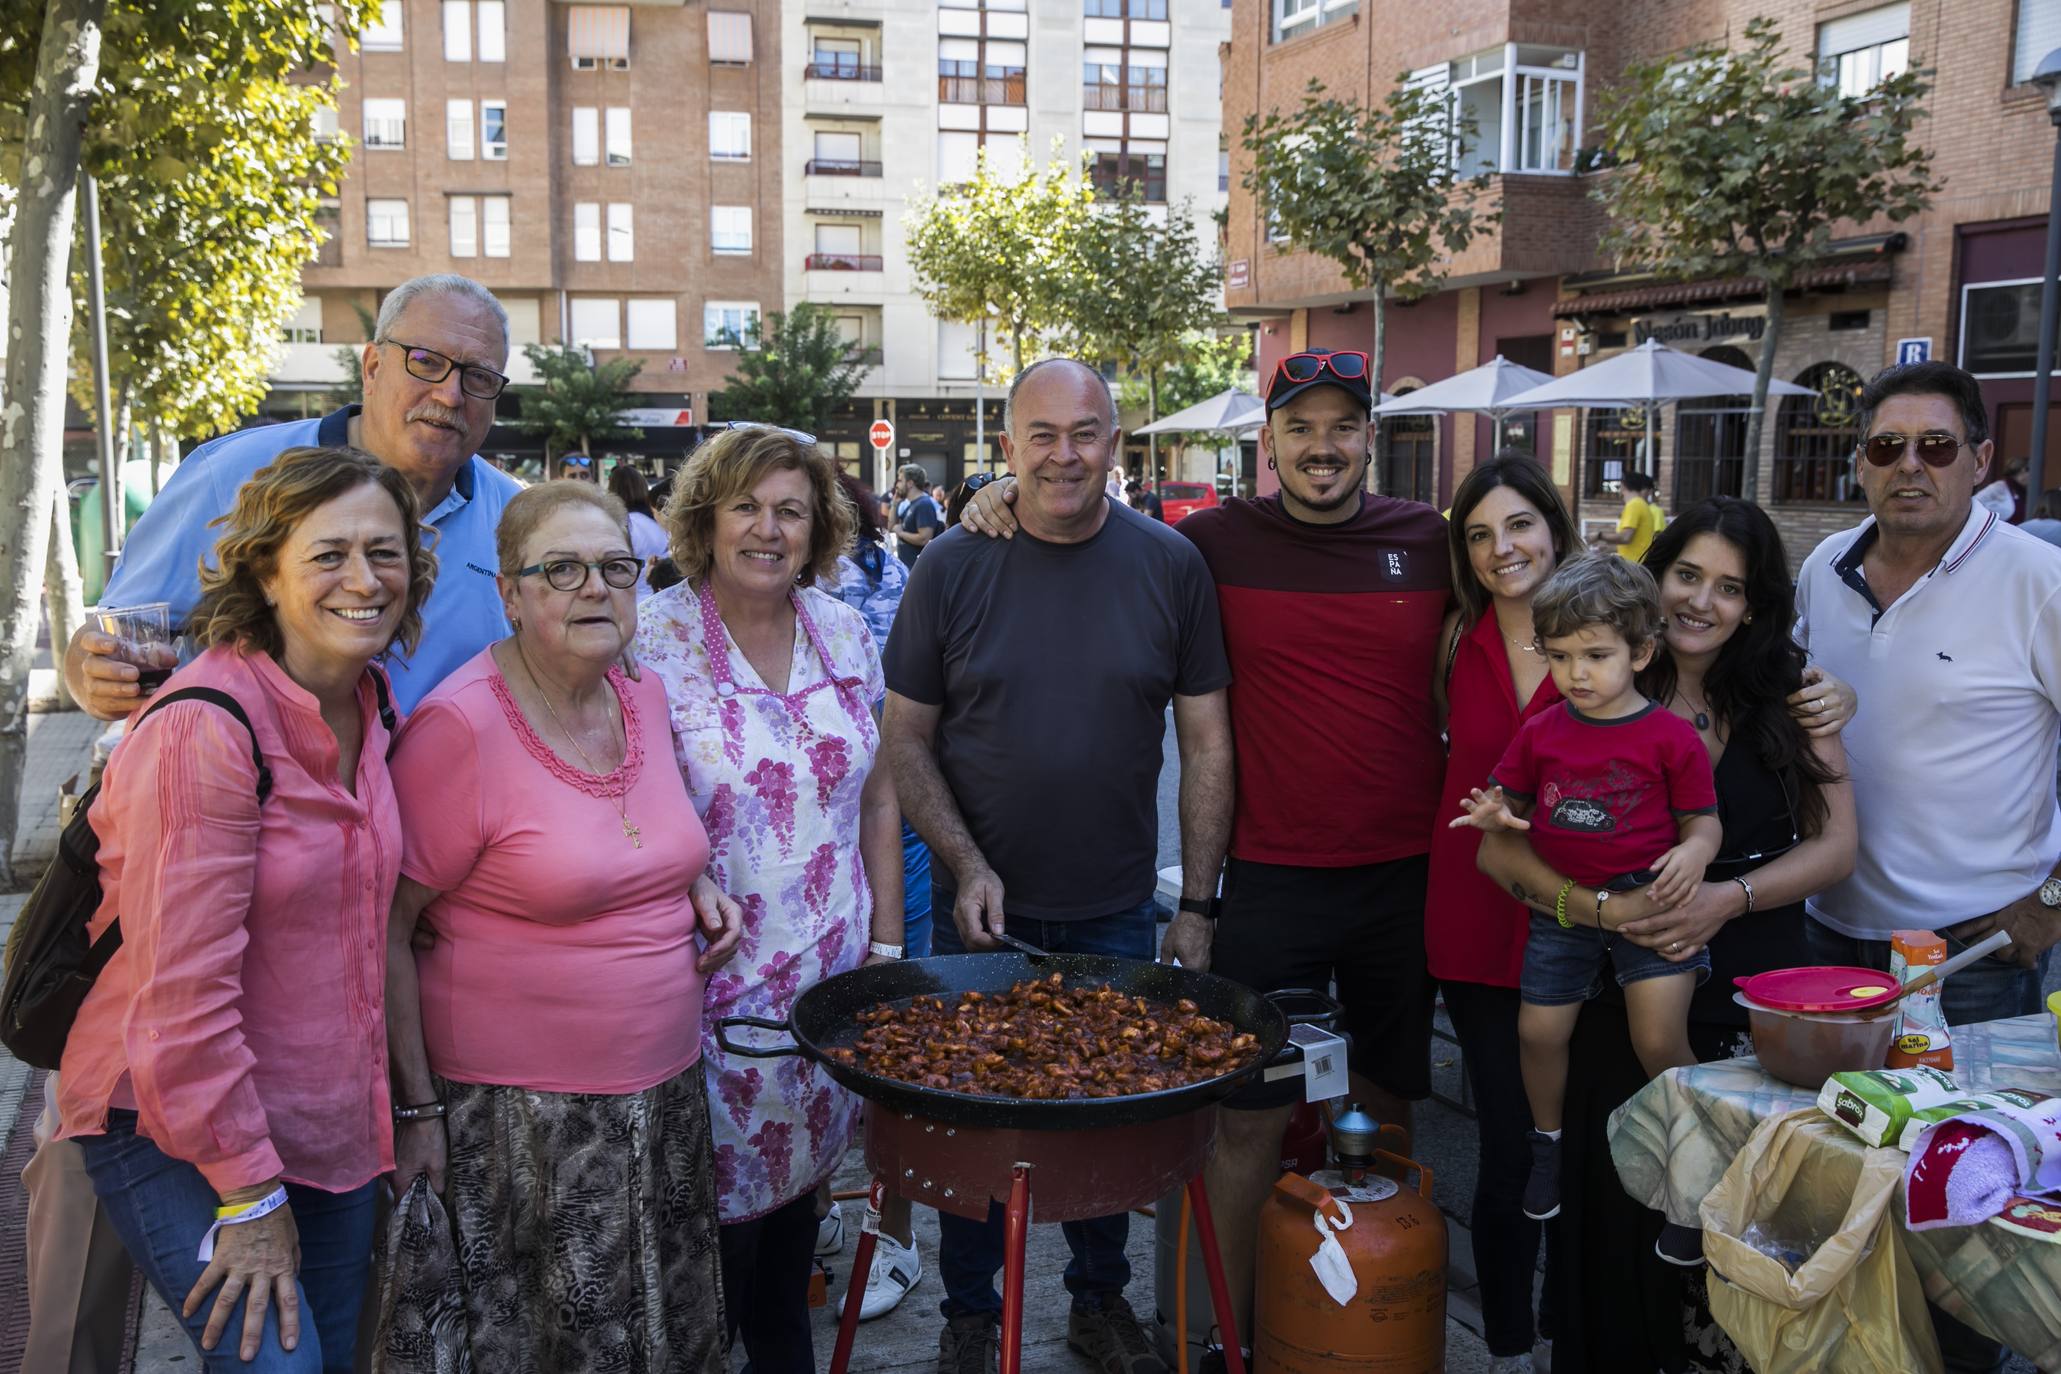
[619, 800]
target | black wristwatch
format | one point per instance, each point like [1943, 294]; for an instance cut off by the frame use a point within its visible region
[1206, 907]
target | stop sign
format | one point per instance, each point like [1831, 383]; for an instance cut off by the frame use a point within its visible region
[882, 434]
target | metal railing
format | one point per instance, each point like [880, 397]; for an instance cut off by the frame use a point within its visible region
[841, 262]
[840, 167]
[840, 71]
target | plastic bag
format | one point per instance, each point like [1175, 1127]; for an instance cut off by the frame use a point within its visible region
[1808, 1268]
[421, 1301]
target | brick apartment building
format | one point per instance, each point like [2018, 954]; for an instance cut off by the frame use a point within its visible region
[1963, 278]
[612, 172]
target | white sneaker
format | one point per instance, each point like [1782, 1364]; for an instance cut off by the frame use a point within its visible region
[896, 1269]
[830, 1231]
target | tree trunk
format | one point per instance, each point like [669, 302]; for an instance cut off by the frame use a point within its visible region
[1015, 350]
[1374, 371]
[1152, 415]
[39, 326]
[63, 590]
[164, 452]
[1750, 484]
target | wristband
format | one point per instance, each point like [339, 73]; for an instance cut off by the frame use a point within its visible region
[1206, 907]
[236, 1214]
[885, 951]
[1747, 888]
[419, 1112]
[1560, 905]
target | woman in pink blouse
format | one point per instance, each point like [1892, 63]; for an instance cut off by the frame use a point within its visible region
[547, 1043]
[769, 680]
[226, 1077]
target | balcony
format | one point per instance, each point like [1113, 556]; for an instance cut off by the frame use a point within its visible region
[840, 71]
[839, 167]
[841, 262]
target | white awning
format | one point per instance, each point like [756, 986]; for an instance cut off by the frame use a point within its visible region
[598, 31]
[729, 36]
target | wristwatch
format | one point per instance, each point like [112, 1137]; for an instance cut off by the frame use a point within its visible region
[885, 951]
[1205, 907]
[2050, 892]
[1602, 896]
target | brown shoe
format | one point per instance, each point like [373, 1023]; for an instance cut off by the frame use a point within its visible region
[1113, 1339]
[971, 1344]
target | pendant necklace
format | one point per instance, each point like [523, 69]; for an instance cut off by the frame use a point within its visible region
[619, 800]
[1702, 716]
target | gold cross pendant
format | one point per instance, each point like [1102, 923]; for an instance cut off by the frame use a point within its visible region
[633, 832]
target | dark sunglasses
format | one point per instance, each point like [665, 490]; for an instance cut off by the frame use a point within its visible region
[570, 574]
[428, 365]
[1935, 450]
[1303, 367]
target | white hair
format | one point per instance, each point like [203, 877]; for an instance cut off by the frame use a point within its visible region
[1009, 405]
[437, 284]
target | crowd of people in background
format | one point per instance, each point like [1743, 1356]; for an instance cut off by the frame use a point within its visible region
[526, 788]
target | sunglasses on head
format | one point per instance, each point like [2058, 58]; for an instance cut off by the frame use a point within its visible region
[1935, 449]
[1303, 367]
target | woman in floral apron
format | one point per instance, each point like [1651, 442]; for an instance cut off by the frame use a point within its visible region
[768, 679]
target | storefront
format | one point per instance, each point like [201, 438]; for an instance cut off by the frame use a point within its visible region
[936, 435]
[1997, 313]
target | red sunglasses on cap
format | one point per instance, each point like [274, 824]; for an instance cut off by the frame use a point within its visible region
[1297, 368]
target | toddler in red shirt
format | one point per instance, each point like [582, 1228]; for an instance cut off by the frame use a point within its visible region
[1614, 792]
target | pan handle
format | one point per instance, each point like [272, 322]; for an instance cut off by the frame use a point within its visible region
[755, 1051]
[1329, 1010]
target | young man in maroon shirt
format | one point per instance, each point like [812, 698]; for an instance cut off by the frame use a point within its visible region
[1331, 600]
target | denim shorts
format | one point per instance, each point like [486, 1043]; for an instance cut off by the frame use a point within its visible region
[1563, 965]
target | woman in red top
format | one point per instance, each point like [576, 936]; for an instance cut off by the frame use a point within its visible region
[1507, 533]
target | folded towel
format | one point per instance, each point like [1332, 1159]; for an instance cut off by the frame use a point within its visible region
[1966, 1169]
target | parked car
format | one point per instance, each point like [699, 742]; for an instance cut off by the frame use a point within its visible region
[1180, 499]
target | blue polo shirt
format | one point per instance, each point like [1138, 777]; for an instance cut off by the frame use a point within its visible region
[162, 557]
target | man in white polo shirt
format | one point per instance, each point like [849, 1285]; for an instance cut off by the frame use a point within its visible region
[1947, 621]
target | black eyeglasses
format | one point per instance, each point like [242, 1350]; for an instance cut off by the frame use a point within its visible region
[1935, 450]
[428, 365]
[570, 574]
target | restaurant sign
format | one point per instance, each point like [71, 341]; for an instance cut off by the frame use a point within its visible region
[1691, 329]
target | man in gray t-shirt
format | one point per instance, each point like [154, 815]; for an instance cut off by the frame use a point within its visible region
[1028, 681]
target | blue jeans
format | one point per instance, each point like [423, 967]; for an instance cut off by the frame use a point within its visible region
[915, 895]
[161, 1207]
[970, 1252]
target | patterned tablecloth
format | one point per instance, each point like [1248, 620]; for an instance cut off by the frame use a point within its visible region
[1678, 1135]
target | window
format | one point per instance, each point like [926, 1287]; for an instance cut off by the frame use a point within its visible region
[386, 123]
[586, 136]
[973, 71]
[458, 130]
[493, 31]
[2000, 328]
[1519, 108]
[726, 323]
[839, 59]
[1124, 9]
[1295, 17]
[840, 152]
[1815, 437]
[306, 324]
[493, 130]
[1108, 84]
[386, 223]
[325, 123]
[1409, 458]
[587, 231]
[1860, 52]
[382, 29]
[1710, 438]
[958, 154]
[597, 322]
[653, 323]
[1147, 170]
[617, 123]
[464, 212]
[729, 38]
[457, 30]
[621, 245]
[730, 228]
[494, 221]
[729, 135]
[1616, 445]
[1223, 166]
[598, 36]
[2038, 33]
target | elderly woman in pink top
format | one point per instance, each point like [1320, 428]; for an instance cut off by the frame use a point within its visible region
[226, 1077]
[547, 1044]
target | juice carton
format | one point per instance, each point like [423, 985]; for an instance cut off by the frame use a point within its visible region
[1921, 1032]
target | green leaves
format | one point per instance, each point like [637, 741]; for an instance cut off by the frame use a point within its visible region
[792, 370]
[576, 404]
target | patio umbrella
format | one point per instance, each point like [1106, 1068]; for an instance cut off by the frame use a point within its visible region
[1650, 375]
[1225, 410]
[1486, 389]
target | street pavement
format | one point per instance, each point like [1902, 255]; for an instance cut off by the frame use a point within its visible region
[60, 747]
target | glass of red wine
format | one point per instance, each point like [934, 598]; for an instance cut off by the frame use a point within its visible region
[143, 636]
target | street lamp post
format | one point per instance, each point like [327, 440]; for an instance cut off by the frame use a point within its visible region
[2048, 77]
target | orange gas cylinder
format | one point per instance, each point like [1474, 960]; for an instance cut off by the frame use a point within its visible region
[1393, 1318]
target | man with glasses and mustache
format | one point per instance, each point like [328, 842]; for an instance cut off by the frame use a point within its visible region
[1331, 600]
[432, 372]
[1947, 621]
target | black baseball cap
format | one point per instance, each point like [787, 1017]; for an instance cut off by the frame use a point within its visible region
[1298, 372]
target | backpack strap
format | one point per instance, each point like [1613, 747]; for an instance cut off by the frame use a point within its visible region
[385, 696]
[215, 697]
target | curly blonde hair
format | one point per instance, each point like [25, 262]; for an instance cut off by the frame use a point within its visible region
[734, 462]
[269, 507]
